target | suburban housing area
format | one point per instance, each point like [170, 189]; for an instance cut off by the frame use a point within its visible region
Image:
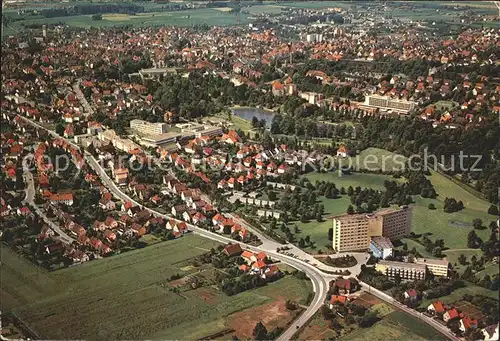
[253, 170]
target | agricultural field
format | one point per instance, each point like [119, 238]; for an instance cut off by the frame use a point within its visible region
[265, 9]
[22, 282]
[176, 18]
[81, 296]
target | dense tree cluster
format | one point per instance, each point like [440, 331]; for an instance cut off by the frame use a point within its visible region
[451, 205]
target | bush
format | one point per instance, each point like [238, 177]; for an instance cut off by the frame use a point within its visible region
[493, 210]
[432, 206]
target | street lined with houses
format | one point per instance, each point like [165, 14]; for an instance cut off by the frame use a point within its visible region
[300, 260]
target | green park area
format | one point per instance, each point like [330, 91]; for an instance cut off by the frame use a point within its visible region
[453, 228]
[73, 302]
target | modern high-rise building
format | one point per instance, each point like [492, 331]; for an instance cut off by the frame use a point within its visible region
[148, 128]
[394, 224]
[352, 232]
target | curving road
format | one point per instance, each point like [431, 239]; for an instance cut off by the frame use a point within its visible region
[30, 194]
[320, 280]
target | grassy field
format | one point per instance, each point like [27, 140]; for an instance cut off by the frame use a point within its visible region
[396, 326]
[452, 256]
[439, 223]
[458, 294]
[177, 18]
[131, 292]
[364, 180]
[374, 159]
[414, 244]
[318, 231]
[436, 223]
[21, 282]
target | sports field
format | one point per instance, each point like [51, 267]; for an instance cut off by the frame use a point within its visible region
[131, 292]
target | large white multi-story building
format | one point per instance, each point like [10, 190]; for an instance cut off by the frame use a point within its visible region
[388, 103]
[148, 128]
[352, 232]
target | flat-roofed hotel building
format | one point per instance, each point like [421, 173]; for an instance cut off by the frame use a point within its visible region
[148, 128]
[352, 232]
[388, 103]
[437, 267]
[406, 271]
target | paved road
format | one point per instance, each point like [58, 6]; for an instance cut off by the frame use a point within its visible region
[429, 320]
[79, 94]
[30, 194]
[320, 280]
[50, 132]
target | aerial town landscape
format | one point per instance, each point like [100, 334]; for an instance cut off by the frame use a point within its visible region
[250, 170]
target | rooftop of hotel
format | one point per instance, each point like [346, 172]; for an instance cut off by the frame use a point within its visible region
[382, 242]
[393, 264]
[430, 261]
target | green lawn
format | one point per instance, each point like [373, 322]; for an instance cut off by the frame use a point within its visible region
[414, 244]
[130, 292]
[318, 231]
[437, 221]
[458, 294]
[374, 159]
[452, 256]
[240, 123]
[396, 326]
[364, 180]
